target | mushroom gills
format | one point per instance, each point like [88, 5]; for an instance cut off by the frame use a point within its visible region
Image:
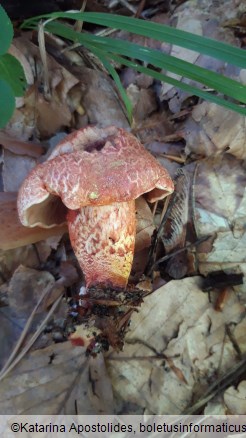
[103, 239]
[47, 214]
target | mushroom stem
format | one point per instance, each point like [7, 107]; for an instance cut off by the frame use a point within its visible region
[103, 239]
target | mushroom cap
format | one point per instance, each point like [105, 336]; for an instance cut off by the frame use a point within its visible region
[92, 166]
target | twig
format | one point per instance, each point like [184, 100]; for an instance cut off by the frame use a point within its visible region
[131, 358]
[79, 23]
[43, 55]
[220, 385]
[140, 8]
[25, 330]
[169, 256]
[128, 6]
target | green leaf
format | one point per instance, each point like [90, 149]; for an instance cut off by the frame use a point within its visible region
[7, 100]
[207, 46]
[6, 31]
[12, 72]
[153, 57]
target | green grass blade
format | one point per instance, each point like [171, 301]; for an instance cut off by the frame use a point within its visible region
[115, 76]
[185, 87]
[211, 79]
[207, 46]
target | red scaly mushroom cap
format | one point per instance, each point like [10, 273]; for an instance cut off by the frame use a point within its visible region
[91, 166]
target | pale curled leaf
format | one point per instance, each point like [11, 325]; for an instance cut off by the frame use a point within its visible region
[235, 399]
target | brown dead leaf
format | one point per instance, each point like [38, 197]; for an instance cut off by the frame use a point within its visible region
[45, 115]
[99, 99]
[220, 210]
[68, 276]
[178, 322]
[22, 293]
[25, 288]
[144, 102]
[21, 125]
[51, 115]
[212, 129]
[101, 394]
[48, 381]
[201, 18]
[19, 147]
[154, 128]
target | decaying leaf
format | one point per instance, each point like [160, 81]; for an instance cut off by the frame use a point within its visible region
[44, 381]
[220, 210]
[101, 103]
[231, 402]
[44, 114]
[22, 294]
[212, 130]
[235, 399]
[176, 322]
[100, 392]
[19, 147]
[25, 288]
[200, 18]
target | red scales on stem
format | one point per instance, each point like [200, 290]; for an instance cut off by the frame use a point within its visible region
[92, 179]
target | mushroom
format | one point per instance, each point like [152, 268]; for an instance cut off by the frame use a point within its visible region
[91, 179]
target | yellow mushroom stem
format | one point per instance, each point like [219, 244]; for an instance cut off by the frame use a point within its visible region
[103, 239]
